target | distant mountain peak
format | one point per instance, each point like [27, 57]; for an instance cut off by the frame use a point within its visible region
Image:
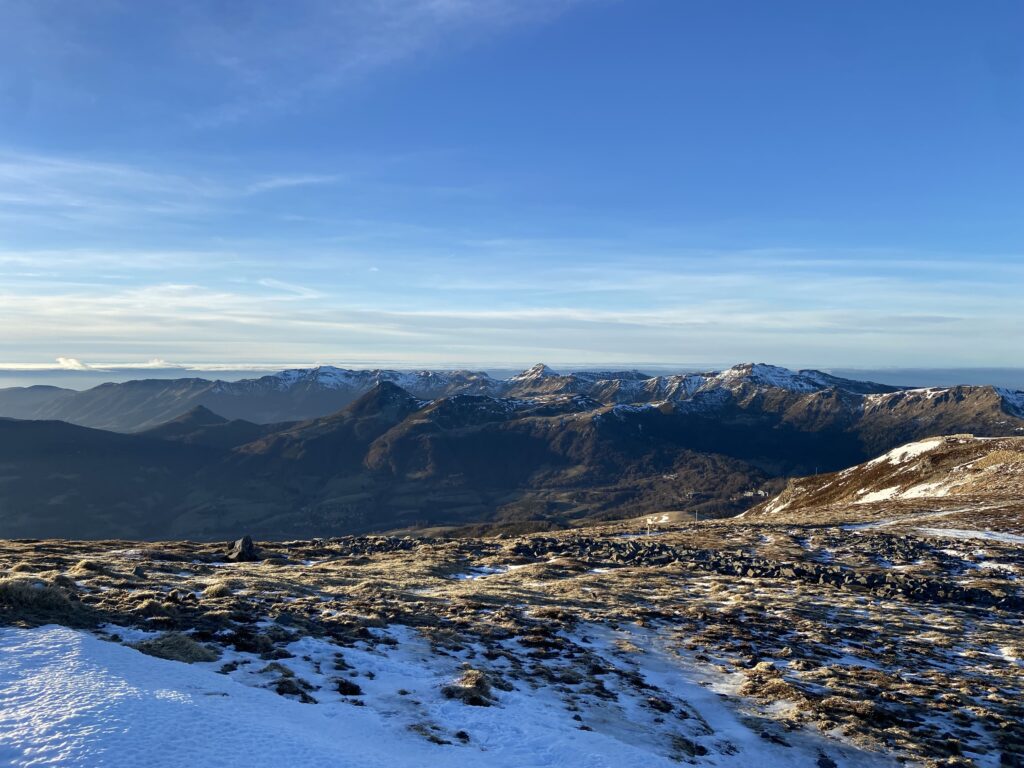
[538, 371]
[384, 396]
[322, 374]
[200, 415]
[391, 389]
[764, 374]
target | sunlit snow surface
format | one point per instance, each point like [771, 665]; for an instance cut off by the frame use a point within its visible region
[907, 452]
[957, 533]
[68, 698]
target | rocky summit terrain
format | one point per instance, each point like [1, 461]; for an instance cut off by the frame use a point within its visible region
[538, 451]
[654, 641]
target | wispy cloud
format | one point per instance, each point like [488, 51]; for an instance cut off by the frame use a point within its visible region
[275, 319]
[275, 56]
[300, 291]
[288, 182]
[241, 59]
[45, 191]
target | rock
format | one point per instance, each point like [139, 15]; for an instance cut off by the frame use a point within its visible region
[243, 551]
[348, 688]
[659, 705]
[688, 747]
[290, 686]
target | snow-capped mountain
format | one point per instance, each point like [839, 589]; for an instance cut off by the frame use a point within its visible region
[306, 393]
[454, 447]
[327, 377]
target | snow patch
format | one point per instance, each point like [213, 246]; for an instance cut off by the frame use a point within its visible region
[907, 452]
[883, 495]
[767, 375]
[934, 490]
[478, 572]
[962, 533]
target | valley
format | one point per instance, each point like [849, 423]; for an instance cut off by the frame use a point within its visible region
[552, 451]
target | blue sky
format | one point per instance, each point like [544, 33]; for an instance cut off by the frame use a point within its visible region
[491, 182]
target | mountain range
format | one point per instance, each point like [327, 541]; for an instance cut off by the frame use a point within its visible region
[299, 394]
[459, 450]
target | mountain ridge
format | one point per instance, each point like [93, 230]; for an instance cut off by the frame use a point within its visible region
[392, 460]
[299, 394]
[970, 485]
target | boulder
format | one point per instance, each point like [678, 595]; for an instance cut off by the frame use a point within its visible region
[243, 551]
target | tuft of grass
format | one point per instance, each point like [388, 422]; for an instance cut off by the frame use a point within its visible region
[473, 688]
[177, 647]
[31, 593]
[220, 589]
[154, 608]
[87, 568]
[32, 602]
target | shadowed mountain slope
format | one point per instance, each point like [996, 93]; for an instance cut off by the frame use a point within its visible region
[61, 480]
[201, 426]
[391, 460]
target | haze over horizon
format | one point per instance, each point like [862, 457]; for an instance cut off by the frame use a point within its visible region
[429, 183]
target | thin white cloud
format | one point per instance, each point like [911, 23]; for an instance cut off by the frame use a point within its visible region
[273, 59]
[290, 182]
[53, 190]
[299, 291]
[189, 321]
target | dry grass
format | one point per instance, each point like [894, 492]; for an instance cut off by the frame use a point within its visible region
[32, 602]
[87, 568]
[220, 589]
[1000, 457]
[177, 647]
[473, 688]
[31, 593]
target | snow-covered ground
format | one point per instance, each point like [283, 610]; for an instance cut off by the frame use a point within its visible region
[873, 496]
[68, 698]
[907, 452]
[958, 533]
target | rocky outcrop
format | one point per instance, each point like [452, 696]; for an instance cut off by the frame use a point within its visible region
[243, 551]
